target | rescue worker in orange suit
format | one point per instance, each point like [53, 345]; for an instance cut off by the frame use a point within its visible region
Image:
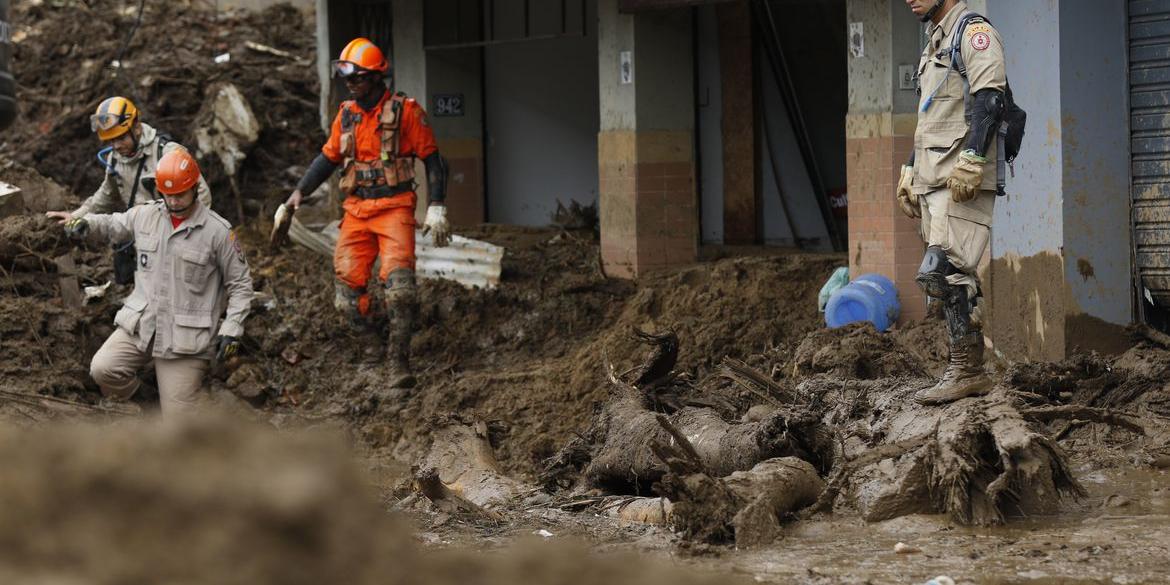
[374, 140]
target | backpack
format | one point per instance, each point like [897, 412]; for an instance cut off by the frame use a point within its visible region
[1011, 129]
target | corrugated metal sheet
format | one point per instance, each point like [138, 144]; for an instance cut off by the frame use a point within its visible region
[472, 263]
[1149, 74]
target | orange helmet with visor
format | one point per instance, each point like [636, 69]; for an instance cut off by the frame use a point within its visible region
[360, 56]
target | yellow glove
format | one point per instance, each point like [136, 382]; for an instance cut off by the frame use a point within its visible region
[966, 177]
[907, 200]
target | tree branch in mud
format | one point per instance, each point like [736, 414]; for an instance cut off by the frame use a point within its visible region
[755, 382]
[1085, 413]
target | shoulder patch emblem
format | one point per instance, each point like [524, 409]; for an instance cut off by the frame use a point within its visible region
[977, 27]
[980, 41]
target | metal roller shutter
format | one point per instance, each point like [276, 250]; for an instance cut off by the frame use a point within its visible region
[1149, 74]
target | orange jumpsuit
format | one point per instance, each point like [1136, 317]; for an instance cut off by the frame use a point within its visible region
[384, 227]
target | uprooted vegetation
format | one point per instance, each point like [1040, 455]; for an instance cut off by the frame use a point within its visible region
[745, 416]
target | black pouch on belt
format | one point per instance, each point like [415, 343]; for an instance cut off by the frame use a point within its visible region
[125, 262]
[125, 255]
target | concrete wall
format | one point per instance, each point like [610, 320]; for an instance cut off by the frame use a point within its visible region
[1060, 239]
[1027, 308]
[460, 138]
[542, 123]
[1095, 117]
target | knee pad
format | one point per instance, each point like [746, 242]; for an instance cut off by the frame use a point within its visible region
[401, 287]
[933, 273]
[354, 304]
[977, 310]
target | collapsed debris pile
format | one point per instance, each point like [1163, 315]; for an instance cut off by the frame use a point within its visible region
[746, 413]
[167, 69]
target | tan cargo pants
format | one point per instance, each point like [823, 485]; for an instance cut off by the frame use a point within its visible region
[116, 365]
[962, 230]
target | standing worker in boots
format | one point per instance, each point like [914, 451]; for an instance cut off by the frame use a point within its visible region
[190, 269]
[951, 180]
[375, 138]
[130, 157]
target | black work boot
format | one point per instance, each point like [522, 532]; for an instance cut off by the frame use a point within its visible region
[964, 376]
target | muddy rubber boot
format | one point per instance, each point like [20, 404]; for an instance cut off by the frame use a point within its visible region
[400, 309]
[964, 376]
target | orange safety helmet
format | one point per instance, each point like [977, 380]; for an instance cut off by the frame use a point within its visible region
[114, 117]
[359, 55]
[177, 172]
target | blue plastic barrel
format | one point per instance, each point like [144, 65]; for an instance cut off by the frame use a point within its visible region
[870, 297]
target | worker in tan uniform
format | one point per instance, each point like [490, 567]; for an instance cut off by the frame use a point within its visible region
[130, 157]
[952, 179]
[190, 270]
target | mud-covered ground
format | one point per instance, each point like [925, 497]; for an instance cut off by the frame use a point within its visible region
[62, 57]
[529, 358]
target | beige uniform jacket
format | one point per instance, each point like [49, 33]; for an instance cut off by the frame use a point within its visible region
[114, 192]
[942, 129]
[185, 279]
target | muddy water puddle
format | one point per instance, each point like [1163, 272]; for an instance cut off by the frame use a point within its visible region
[1120, 533]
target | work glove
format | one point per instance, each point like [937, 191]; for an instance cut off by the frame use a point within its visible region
[294, 200]
[226, 347]
[77, 228]
[907, 200]
[967, 176]
[437, 224]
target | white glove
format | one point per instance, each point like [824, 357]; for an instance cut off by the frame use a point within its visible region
[437, 224]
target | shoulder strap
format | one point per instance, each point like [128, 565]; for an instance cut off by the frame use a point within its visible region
[163, 139]
[134, 188]
[956, 49]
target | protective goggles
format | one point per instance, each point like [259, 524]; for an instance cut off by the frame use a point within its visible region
[104, 122]
[348, 68]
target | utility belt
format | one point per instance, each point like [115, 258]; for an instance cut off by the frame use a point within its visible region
[380, 191]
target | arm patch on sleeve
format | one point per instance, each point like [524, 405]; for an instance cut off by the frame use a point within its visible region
[235, 242]
[980, 41]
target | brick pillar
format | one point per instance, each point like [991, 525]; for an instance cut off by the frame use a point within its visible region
[740, 215]
[646, 167]
[881, 238]
[879, 131]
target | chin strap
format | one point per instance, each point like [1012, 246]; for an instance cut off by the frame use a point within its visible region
[930, 13]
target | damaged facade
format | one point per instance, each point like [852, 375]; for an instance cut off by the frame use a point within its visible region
[694, 124]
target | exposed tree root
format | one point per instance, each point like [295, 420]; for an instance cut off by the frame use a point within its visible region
[746, 507]
[461, 460]
[981, 462]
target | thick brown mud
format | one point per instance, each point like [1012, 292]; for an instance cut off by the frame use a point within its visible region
[526, 365]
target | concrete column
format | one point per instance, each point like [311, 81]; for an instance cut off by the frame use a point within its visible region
[324, 74]
[1060, 273]
[645, 146]
[879, 132]
[409, 57]
[740, 214]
